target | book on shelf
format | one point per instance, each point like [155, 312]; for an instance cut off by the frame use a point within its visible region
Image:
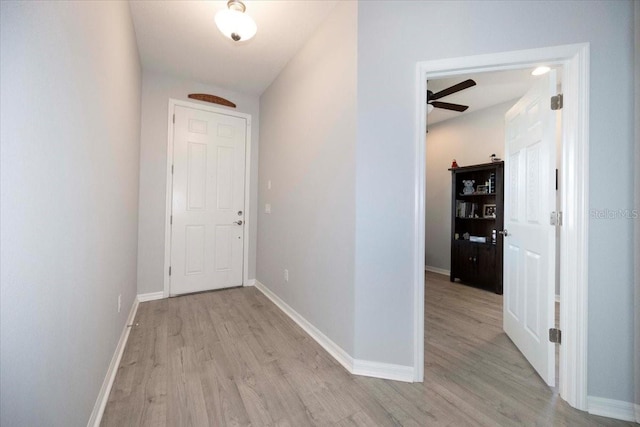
[467, 209]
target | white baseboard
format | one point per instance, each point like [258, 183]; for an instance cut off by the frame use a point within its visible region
[355, 366]
[637, 405]
[386, 371]
[151, 296]
[103, 396]
[250, 282]
[332, 348]
[437, 270]
[611, 408]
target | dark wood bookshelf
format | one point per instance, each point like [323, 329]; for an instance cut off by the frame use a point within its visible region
[477, 263]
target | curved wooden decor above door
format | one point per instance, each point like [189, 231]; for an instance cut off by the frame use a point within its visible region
[212, 98]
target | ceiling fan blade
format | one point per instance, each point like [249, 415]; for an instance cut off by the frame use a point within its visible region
[448, 106]
[453, 89]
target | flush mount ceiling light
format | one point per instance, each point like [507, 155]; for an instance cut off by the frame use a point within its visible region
[234, 23]
[540, 71]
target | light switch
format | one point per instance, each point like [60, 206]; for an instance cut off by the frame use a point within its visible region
[269, 185]
[267, 208]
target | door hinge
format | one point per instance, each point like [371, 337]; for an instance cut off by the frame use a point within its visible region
[556, 102]
[169, 270]
[171, 220]
[555, 335]
[174, 118]
[171, 169]
[555, 218]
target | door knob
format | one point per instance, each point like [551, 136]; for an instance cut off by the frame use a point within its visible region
[239, 222]
[505, 233]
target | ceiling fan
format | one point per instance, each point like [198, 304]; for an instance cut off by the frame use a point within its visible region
[432, 98]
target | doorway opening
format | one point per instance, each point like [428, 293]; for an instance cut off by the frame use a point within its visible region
[475, 140]
[573, 255]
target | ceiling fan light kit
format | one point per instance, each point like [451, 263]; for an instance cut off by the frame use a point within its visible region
[234, 23]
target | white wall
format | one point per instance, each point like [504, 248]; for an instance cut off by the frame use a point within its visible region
[470, 139]
[156, 91]
[70, 113]
[392, 37]
[307, 139]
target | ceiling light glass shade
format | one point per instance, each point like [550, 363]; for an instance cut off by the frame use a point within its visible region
[429, 108]
[540, 71]
[236, 25]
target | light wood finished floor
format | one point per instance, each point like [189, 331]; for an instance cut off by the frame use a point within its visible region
[231, 358]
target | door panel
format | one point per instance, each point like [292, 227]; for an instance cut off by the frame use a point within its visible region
[511, 268]
[207, 201]
[196, 176]
[194, 249]
[529, 257]
[223, 247]
[486, 264]
[225, 177]
[532, 287]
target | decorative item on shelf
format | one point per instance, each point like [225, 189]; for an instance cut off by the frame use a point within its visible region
[493, 236]
[494, 158]
[212, 98]
[489, 211]
[468, 186]
[492, 183]
[482, 189]
[466, 236]
[454, 164]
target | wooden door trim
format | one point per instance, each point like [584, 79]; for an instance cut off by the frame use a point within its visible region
[575, 199]
[173, 103]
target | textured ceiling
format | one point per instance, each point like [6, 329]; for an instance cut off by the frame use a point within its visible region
[180, 38]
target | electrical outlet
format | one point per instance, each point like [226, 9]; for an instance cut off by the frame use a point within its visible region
[267, 208]
[269, 185]
[119, 302]
[286, 275]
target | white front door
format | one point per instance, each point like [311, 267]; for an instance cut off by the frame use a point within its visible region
[207, 229]
[529, 243]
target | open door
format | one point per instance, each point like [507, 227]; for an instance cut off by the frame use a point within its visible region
[529, 237]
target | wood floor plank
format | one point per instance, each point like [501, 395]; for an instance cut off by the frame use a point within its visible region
[232, 358]
[186, 405]
[223, 402]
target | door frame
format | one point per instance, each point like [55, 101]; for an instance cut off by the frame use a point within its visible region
[173, 103]
[574, 232]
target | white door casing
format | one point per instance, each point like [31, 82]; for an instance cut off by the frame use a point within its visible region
[207, 206]
[574, 275]
[529, 240]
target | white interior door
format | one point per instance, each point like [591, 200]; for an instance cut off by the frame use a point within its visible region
[529, 243]
[207, 230]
